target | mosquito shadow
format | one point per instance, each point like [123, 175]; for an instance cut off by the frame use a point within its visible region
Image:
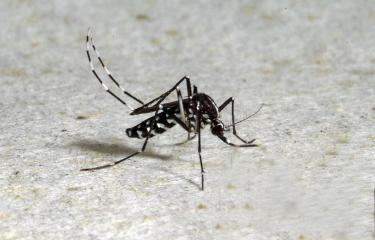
[115, 148]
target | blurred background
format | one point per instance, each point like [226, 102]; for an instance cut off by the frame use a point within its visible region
[310, 62]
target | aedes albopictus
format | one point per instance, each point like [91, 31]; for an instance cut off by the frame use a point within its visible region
[192, 113]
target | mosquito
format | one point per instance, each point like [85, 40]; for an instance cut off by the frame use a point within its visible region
[191, 113]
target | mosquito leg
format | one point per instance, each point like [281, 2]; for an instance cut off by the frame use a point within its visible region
[188, 86]
[164, 95]
[181, 106]
[154, 103]
[97, 76]
[111, 164]
[234, 127]
[199, 143]
[118, 161]
[183, 117]
[126, 158]
[248, 144]
[178, 121]
[222, 106]
[109, 73]
[191, 137]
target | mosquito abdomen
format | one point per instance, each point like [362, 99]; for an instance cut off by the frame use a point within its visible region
[162, 121]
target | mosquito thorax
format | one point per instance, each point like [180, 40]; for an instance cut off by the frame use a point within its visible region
[209, 109]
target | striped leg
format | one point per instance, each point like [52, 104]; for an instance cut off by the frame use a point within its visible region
[88, 39]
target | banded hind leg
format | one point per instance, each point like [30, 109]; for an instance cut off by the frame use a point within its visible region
[90, 40]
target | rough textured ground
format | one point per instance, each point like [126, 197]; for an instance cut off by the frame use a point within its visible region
[311, 62]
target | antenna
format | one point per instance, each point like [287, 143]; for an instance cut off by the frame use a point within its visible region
[261, 106]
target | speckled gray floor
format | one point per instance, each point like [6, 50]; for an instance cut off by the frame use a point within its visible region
[310, 62]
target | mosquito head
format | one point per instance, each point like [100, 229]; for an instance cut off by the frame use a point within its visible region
[217, 127]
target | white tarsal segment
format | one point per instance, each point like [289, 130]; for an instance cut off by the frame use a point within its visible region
[105, 87]
[106, 69]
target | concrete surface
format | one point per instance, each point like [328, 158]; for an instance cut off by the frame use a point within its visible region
[311, 62]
